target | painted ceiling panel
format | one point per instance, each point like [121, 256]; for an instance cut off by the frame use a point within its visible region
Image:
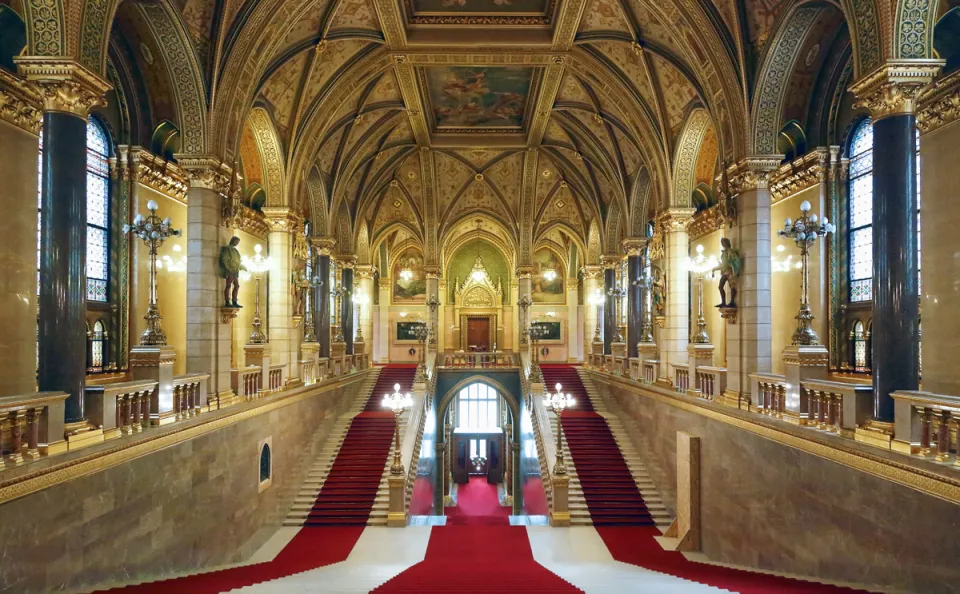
[356, 14]
[676, 91]
[280, 93]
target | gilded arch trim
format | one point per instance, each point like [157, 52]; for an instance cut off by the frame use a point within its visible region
[271, 155]
[688, 148]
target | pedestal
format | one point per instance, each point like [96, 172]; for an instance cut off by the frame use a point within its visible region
[619, 352]
[560, 513]
[802, 363]
[310, 353]
[338, 352]
[259, 355]
[698, 355]
[359, 354]
[397, 512]
[156, 363]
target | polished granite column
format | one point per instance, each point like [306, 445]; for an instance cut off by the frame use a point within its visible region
[634, 296]
[609, 306]
[346, 306]
[321, 312]
[889, 94]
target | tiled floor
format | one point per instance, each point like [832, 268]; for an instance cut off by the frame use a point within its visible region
[577, 555]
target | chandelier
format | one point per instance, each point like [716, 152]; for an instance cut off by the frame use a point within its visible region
[406, 275]
[550, 275]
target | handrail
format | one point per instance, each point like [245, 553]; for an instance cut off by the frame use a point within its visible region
[120, 407]
[38, 415]
[922, 423]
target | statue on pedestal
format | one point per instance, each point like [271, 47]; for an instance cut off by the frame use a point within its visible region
[230, 267]
[298, 291]
[730, 264]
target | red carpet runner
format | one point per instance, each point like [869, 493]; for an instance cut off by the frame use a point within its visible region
[477, 551]
[608, 487]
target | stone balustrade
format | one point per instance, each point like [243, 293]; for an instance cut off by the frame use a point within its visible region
[31, 426]
[246, 382]
[927, 425]
[120, 408]
[681, 377]
[189, 395]
[275, 377]
[651, 368]
[711, 381]
[770, 392]
[837, 407]
[308, 371]
[323, 368]
[480, 360]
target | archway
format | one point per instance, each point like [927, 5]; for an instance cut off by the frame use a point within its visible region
[506, 385]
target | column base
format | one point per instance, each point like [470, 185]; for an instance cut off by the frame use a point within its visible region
[81, 435]
[876, 433]
[735, 399]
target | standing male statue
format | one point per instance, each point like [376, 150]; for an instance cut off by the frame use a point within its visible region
[730, 265]
[230, 267]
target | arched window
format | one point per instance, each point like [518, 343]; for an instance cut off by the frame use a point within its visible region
[98, 211]
[478, 407]
[859, 337]
[861, 212]
[97, 337]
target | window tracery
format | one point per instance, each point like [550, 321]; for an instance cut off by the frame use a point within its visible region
[478, 407]
[861, 212]
[98, 211]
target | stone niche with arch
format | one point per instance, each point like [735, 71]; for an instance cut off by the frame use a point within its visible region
[477, 292]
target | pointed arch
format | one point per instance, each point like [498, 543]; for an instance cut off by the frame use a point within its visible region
[271, 155]
[318, 203]
[685, 161]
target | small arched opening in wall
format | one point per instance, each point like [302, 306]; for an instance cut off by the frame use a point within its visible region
[265, 463]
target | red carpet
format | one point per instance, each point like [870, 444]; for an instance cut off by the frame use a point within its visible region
[468, 559]
[635, 545]
[477, 504]
[608, 487]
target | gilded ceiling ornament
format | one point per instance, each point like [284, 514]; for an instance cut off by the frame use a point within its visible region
[20, 103]
[893, 88]
[939, 103]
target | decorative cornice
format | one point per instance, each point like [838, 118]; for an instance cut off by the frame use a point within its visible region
[253, 223]
[939, 104]
[800, 174]
[346, 261]
[632, 246]
[64, 85]
[207, 172]
[324, 245]
[892, 88]
[608, 261]
[281, 218]
[365, 271]
[751, 173]
[704, 222]
[20, 103]
[143, 167]
[592, 271]
[675, 219]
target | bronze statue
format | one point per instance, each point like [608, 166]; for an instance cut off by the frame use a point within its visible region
[230, 267]
[298, 290]
[730, 264]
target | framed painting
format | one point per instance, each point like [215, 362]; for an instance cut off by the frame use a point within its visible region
[406, 331]
[547, 283]
[409, 280]
[554, 331]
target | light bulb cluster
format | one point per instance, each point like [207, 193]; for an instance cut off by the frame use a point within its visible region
[550, 275]
[701, 264]
[406, 275]
[398, 401]
[559, 401]
[807, 228]
[151, 228]
[259, 263]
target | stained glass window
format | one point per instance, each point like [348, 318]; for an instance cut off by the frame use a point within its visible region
[96, 346]
[861, 212]
[859, 347]
[98, 211]
[477, 407]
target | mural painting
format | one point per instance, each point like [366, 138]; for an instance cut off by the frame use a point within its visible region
[407, 331]
[409, 281]
[547, 281]
[554, 331]
[465, 96]
[480, 7]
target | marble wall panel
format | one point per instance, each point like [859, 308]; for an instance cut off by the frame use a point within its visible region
[773, 507]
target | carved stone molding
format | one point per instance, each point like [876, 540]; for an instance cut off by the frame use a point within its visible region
[704, 222]
[207, 172]
[751, 173]
[281, 218]
[611, 260]
[143, 167]
[20, 103]
[632, 246]
[365, 271]
[893, 88]
[253, 223]
[64, 85]
[675, 219]
[592, 271]
[800, 174]
[346, 261]
[324, 245]
[939, 103]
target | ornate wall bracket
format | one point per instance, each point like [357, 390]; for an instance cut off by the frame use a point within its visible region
[800, 174]
[892, 89]
[729, 314]
[143, 167]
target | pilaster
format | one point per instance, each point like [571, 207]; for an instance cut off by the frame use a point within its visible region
[284, 337]
[676, 330]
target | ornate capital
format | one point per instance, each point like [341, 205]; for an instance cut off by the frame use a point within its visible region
[20, 103]
[892, 88]
[800, 174]
[526, 271]
[143, 167]
[675, 219]
[207, 172]
[431, 271]
[592, 271]
[365, 271]
[632, 246]
[938, 104]
[608, 261]
[324, 245]
[281, 219]
[752, 173]
[346, 261]
[64, 85]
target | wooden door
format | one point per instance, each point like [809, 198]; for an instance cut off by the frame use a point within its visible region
[478, 334]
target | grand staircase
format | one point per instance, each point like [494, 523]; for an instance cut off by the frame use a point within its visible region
[609, 485]
[347, 484]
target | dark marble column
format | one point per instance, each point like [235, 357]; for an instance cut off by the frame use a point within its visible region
[609, 309]
[346, 308]
[321, 305]
[896, 339]
[635, 303]
[63, 256]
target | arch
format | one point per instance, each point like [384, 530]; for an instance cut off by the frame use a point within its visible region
[363, 244]
[344, 230]
[792, 141]
[685, 162]
[318, 203]
[913, 33]
[271, 155]
[255, 197]
[184, 71]
[774, 75]
[593, 244]
[638, 206]
[514, 401]
[95, 25]
[46, 28]
[612, 231]
[165, 140]
[13, 37]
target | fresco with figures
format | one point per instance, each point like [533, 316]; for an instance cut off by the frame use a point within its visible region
[409, 281]
[480, 7]
[478, 97]
[545, 289]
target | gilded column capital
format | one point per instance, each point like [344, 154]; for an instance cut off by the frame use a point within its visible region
[608, 261]
[675, 219]
[20, 103]
[324, 245]
[752, 173]
[346, 261]
[365, 271]
[632, 246]
[431, 271]
[143, 167]
[939, 103]
[592, 271]
[281, 219]
[207, 172]
[64, 84]
[892, 89]
[526, 271]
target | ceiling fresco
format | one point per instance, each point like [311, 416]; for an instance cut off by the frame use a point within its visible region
[478, 98]
[480, 7]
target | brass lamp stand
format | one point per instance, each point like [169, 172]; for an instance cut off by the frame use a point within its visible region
[559, 402]
[153, 232]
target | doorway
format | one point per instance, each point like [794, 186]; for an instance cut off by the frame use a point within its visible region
[478, 334]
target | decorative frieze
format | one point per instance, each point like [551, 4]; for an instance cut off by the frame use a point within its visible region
[281, 218]
[704, 222]
[675, 219]
[20, 103]
[800, 174]
[751, 173]
[892, 89]
[143, 167]
[209, 173]
[939, 103]
[64, 85]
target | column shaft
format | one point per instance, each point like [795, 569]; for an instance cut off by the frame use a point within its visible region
[635, 298]
[63, 255]
[676, 334]
[321, 312]
[346, 308]
[896, 340]
[280, 304]
[609, 309]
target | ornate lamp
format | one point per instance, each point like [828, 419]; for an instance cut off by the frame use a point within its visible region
[524, 304]
[397, 403]
[559, 402]
[420, 332]
[361, 299]
[258, 265]
[700, 266]
[338, 295]
[309, 334]
[433, 303]
[597, 300]
[804, 232]
[153, 232]
[618, 293]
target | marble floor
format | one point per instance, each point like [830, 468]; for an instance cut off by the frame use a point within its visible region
[578, 555]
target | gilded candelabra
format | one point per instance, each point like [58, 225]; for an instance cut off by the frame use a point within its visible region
[645, 282]
[360, 299]
[338, 294]
[700, 265]
[559, 402]
[537, 333]
[804, 232]
[309, 333]
[597, 300]
[420, 332]
[524, 304]
[618, 293]
[258, 265]
[433, 303]
[397, 403]
[153, 231]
